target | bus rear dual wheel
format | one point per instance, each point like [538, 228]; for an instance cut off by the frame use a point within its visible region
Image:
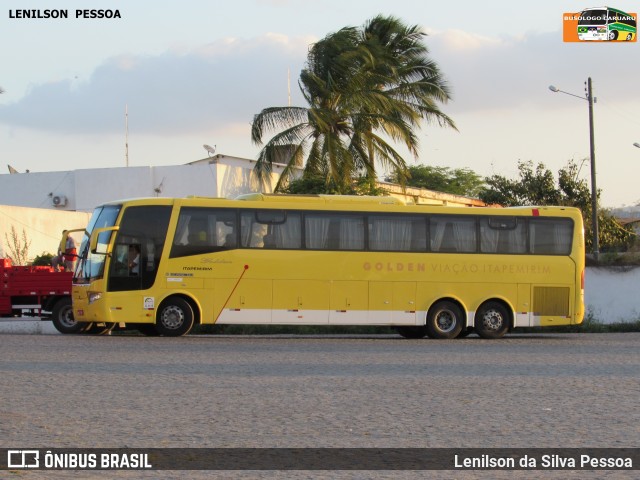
[446, 320]
[492, 320]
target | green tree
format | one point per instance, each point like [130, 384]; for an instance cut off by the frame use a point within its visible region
[316, 185]
[361, 86]
[537, 186]
[459, 181]
[42, 260]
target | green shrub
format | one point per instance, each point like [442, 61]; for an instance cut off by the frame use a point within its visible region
[42, 260]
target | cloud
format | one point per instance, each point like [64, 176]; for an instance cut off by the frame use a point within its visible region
[224, 82]
[493, 73]
[230, 80]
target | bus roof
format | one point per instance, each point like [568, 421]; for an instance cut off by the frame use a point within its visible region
[315, 198]
[347, 203]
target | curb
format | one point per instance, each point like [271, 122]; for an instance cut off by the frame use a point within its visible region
[24, 326]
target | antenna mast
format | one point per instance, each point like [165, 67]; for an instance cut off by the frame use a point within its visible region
[126, 134]
[289, 85]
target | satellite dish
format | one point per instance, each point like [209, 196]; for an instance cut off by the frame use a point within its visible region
[211, 150]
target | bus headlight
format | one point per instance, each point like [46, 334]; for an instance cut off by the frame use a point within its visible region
[93, 297]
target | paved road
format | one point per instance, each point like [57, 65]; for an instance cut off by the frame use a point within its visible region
[551, 391]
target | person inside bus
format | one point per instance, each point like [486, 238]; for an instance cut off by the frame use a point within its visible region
[269, 241]
[197, 232]
[134, 260]
[230, 241]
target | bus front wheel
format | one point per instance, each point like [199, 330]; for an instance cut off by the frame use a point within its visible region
[175, 317]
[492, 320]
[444, 320]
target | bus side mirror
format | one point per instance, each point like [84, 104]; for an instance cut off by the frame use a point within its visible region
[104, 247]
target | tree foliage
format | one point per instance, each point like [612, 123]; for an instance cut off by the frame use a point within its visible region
[538, 186]
[317, 185]
[459, 181]
[362, 85]
[18, 247]
[42, 260]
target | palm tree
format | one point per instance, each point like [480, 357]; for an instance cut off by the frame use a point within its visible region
[408, 83]
[360, 84]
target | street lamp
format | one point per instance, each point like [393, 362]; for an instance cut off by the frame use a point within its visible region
[594, 192]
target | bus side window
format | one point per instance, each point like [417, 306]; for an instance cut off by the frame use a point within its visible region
[551, 236]
[452, 233]
[503, 235]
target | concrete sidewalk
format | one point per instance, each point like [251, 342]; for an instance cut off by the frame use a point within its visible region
[27, 326]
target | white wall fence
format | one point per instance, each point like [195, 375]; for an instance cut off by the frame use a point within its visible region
[612, 294]
[42, 227]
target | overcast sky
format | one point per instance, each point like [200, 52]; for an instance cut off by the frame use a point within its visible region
[192, 72]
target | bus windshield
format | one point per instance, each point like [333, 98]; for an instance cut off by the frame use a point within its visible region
[91, 266]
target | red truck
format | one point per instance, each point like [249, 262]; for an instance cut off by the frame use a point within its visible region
[38, 291]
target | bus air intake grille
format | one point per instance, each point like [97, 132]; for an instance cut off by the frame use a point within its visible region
[551, 301]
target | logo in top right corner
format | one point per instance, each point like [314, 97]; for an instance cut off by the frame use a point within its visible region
[599, 24]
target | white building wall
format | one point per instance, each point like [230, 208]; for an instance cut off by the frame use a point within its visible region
[37, 189]
[219, 176]
[42, 227]
[100, 185]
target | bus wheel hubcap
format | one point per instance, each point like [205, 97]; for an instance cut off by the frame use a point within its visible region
[492, 320]
[446, 321]
[172, 317]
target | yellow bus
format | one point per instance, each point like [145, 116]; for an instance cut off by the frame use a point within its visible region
[164, 265]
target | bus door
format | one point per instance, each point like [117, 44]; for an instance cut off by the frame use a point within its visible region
[134, 263]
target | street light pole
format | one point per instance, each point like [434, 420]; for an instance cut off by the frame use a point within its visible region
[592, 149]
[594, 190]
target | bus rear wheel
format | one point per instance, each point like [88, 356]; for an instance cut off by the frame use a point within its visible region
[175, 317]
[444, 320]
[492, 320]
